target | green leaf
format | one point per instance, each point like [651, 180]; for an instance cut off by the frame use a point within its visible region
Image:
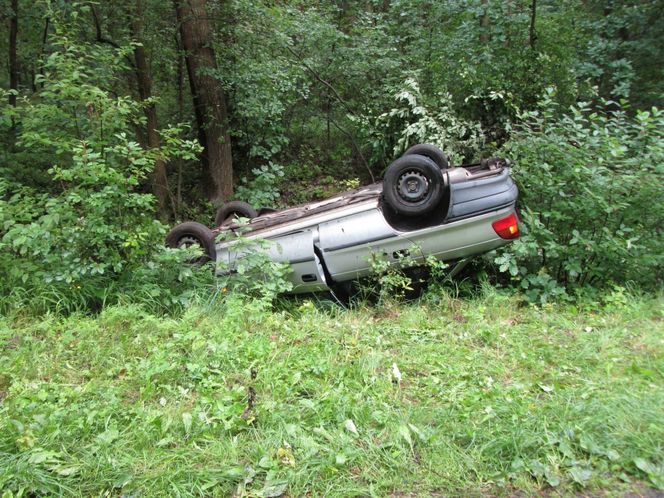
[187, 420]
[273, 489]
[68, 471]
[644, 465]
[552, 478]
[404, 432]
[108, 436]
[580, 475]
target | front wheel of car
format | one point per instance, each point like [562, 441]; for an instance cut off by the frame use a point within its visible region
[413, 185]
[190, 234]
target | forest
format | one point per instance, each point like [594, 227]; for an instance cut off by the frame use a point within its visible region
[122, 118]
[125, 370]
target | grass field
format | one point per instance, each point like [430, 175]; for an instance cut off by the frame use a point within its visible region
[440, 397]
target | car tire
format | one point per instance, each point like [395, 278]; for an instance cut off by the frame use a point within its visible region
[192, 233]
[234, 208]
[432, 152]
[413, 185]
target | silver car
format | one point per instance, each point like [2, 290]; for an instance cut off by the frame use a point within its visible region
[421, 208]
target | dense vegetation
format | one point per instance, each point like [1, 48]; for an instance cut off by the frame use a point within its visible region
[124, 370]
[104, 146]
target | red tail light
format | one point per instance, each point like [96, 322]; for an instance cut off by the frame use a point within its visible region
[507, 228]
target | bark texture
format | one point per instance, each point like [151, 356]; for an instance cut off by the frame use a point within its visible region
[484, 23]
[209, 99]
[532, 33]
[144, 83]
[13, 58]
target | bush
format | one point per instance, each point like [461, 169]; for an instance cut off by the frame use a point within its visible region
[414, 120]
[94, 227]
[592, 198]
[263, 189]
[253, 275]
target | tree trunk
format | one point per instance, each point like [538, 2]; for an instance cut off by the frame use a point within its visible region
[42, 48]
[484, 23]
[209, 99]
[508, 24]
[13, 59]
[532, 37]
[160, 179]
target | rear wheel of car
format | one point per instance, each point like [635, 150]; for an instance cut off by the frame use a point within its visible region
[190, 234]
[234, 209]
[413, 185]
[432, 152]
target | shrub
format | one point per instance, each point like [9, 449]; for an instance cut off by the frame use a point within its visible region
[263, 189]
[254, 274]
[95, 226]
[592, 198]
[414, 120]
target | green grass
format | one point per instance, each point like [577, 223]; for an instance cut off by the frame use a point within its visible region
[494, 398]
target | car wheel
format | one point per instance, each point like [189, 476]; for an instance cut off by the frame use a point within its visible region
[234, 208]
[413, 185]
[190, 234]
[432, 152]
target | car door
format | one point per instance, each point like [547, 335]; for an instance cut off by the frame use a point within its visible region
[295, 248]
[348, 243]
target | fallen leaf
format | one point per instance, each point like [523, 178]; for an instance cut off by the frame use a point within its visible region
[273, 489]
[350, 426]
[396, 373]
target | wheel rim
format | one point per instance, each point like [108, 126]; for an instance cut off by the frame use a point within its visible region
[412, 186]
[188, 241]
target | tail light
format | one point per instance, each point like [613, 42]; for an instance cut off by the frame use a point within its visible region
[507, 228]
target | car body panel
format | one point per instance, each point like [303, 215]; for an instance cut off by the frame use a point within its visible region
[476, 196]
[334, 240]
[295, 248]
[454, 240]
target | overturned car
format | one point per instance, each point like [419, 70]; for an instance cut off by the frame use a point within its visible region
[422, 208]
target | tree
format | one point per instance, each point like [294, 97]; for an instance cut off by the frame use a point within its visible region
[484, 23]
[208, 96]
[13, 59]
[532, 34]
[144, 82]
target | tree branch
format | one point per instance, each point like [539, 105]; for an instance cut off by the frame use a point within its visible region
[355, 146]
[300, 60]
[100, 38]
